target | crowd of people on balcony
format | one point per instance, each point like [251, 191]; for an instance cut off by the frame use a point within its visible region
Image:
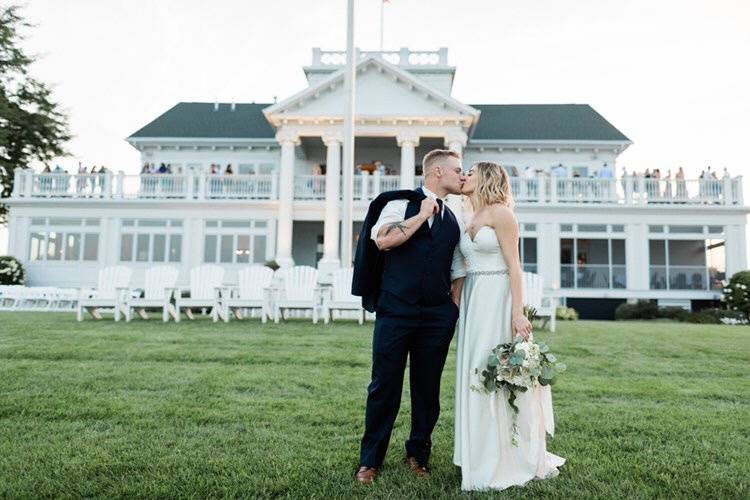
[151, 168]
[651, 183]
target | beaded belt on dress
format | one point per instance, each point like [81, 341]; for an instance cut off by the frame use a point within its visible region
[486, 273]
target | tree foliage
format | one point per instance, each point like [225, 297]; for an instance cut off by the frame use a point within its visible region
[32, 125]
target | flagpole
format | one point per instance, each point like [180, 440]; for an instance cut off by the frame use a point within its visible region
[382, 17]
[348, 145]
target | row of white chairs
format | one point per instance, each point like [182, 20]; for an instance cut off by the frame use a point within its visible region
[272, 293]
[37, 298]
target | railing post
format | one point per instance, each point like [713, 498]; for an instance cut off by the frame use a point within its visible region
[202, 185]
[553, 183]
[403, 56]
[29, 182]
[17, 180]
[739, 198]
[628, 185]
[120, 184]
[443, 56]
[107, 187]
[541, 187]
[642, 189]
[376, 183]
[727, 188]
[190, 186]
[365, 177]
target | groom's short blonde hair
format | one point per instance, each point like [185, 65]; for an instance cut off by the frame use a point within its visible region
[436, 156]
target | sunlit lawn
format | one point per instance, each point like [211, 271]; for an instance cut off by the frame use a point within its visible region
[197, 409]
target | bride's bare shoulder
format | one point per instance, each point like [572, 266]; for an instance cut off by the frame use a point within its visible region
[502, 214]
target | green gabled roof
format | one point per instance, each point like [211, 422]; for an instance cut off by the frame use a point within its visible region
[541, 122]
[578, 122]
[200, 119]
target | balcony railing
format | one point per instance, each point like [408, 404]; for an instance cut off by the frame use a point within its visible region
[533, 190]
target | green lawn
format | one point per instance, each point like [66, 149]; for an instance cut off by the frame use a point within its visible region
[104, 409]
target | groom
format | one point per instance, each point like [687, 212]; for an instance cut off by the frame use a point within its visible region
[403, 270]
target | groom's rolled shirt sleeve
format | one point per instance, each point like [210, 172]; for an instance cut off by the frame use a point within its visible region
[458, 266]
[393, 211]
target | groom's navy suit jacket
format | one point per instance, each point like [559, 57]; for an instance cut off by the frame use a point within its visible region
[416, 271]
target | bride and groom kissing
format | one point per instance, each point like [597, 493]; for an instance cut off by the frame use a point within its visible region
[427, 277]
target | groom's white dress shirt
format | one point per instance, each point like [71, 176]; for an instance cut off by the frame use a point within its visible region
[395, 211]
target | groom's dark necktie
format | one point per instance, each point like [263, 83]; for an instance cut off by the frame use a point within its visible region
[438, 217]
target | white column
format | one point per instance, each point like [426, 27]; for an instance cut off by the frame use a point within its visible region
[637, 271]
[408, 143]
[288, 141]
[330, 260]
[18, 178]
[548, 253]
[456, 142]
[736, 250]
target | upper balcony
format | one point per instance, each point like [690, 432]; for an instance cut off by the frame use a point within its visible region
[532, 191]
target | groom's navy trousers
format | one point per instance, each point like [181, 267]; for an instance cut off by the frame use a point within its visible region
[423, 334]
[416, 319]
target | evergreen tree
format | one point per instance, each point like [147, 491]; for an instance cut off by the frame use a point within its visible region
[32, 126]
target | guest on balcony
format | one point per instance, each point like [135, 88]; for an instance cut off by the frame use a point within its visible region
[668, 184]
[680, 182]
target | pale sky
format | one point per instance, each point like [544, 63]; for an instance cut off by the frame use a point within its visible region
[673, 75]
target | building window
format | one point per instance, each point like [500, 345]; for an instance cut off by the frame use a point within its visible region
[151, 240]
[592, 263]
[63, 239]
[682, 264]
[235, 241]
[527, 252]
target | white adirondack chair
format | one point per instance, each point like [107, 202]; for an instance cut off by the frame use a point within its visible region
[533, 289]
[205, 282]
[65, 299]
[158, 290]
[11, 296]
[338, 297]
[111, 279]
[295, 288]
[249, 294]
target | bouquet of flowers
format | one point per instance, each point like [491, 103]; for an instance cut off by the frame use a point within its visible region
[518, 366]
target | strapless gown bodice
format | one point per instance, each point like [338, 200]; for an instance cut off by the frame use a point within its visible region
[483, 252]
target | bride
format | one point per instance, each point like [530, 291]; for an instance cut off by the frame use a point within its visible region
[491, 313]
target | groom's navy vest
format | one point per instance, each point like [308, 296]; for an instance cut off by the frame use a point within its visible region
[419, 270]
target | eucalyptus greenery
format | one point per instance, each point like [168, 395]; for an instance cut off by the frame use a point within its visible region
[518, 366]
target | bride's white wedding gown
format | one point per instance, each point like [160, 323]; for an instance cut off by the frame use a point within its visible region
[483, 427]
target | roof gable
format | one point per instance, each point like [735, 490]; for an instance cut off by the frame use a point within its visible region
[382, 89]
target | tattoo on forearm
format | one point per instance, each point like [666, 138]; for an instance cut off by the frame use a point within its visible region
[397, 225]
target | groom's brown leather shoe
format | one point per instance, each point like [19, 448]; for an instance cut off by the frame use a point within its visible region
[421, 471]
[366, 475]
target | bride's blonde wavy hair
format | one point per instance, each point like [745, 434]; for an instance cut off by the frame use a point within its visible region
[492, 186]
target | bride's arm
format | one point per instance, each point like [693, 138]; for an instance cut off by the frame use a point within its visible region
[506, 230]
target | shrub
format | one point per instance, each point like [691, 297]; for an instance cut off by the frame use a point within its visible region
[702, 317]
[11, 271]
[643, 309]
[272, 264]
[673, 312]
[736, 296]
[566, 313]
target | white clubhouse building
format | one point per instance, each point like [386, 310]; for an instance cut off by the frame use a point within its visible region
[596, 239]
